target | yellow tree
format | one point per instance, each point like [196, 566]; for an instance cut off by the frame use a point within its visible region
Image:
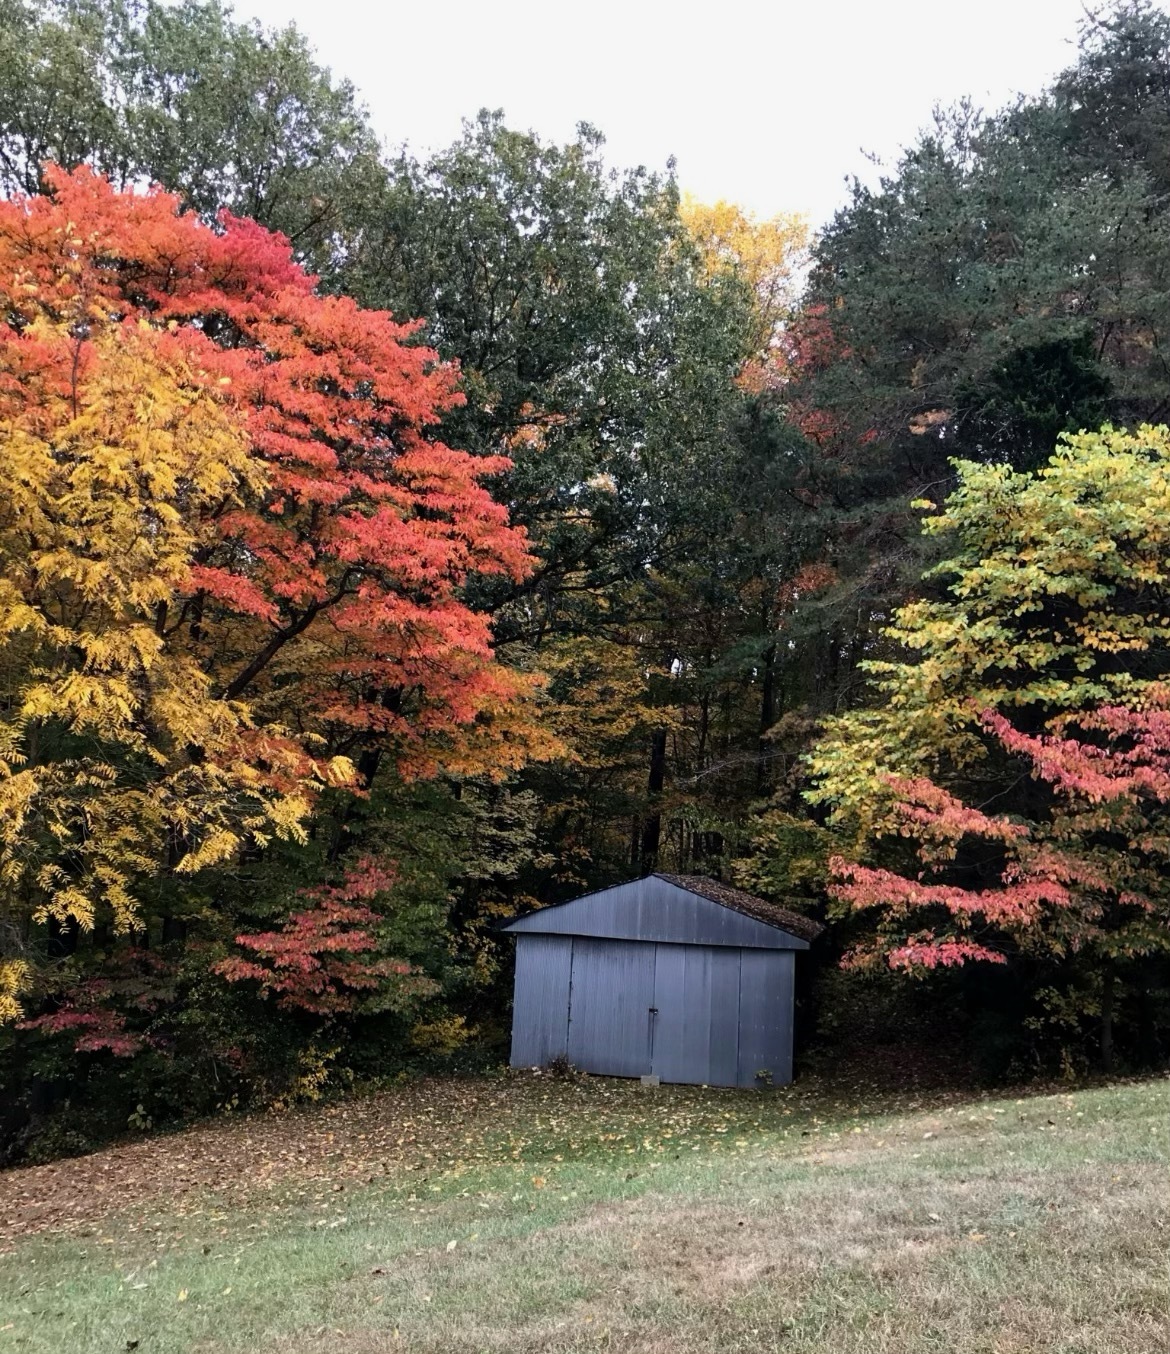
[232, 557]
[767, 254]
[114, 752]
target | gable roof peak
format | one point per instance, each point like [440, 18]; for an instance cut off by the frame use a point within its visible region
[747, 904]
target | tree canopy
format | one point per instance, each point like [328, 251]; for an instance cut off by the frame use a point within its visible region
[231, 558]
[226, 114]
[390, 541]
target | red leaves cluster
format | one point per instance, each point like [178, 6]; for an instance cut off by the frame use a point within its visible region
[809, 578]
[1089, 870]
[1132, 761]
[937, 818]
[328, 956]
[96, 1030]
[927, 952]
[100, 1012]
[810, 346]
[370, 526]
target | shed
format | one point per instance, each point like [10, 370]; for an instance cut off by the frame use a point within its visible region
[676, 976]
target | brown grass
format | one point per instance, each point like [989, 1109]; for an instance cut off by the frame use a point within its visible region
[430, 1126]
[853, 1253]
[613, 1220]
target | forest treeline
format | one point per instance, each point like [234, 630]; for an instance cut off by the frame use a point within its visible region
[389, 544]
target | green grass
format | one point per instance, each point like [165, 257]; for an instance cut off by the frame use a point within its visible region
[521, 1216]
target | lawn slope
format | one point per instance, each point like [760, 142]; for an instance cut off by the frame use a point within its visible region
[527, 1216]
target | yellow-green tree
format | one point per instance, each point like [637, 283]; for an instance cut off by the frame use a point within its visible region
[1007, 791]
[1053, 599]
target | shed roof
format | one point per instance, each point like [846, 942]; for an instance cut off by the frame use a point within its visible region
[771, 914]
[679, 909]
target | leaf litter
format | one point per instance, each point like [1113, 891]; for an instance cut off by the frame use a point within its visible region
[421, 1135]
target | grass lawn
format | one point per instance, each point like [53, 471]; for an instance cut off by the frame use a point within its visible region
[527, 1215]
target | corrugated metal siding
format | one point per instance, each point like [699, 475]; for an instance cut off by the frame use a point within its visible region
[610, 1002]
[724, 1015]
[689, 1013]
[696, 991]
[680, 1025]
[765, 1016]
[654, 909]
[540, 1011]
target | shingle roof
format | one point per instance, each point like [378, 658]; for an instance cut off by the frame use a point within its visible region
[771, 914]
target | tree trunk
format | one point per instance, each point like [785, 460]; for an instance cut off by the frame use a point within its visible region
[767, 719]
[704, 729]
[1149, 1045]
[707, 845]
[1107, 1001]
[652, 826]
[353, 811]
[174, 931]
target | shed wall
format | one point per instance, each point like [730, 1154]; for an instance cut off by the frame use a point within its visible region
[705, 1015]
[540, 1012]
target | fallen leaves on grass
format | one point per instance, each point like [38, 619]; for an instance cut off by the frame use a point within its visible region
[425, 1134]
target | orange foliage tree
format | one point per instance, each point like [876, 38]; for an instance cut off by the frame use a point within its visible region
[232, 553]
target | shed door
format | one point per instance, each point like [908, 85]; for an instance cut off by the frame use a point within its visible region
[696, 991]
[765, 1016]
[610, 1003]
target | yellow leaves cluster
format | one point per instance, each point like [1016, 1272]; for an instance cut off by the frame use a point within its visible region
[507, 733]
[768, 255]
[14, 978]
[442, 1036]
[104, 477]
[1049, 576]
[115, 752]
[604, 699]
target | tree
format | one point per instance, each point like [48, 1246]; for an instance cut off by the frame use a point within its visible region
[766, 255]
[1001, 283]
[601, 348]
[233, 560]
[1020, 741]
[226, 114]
[324, 958]
[1114, 97]
[116, 754]
[594, 350]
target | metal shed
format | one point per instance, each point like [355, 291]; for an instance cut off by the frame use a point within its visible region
[676, 976]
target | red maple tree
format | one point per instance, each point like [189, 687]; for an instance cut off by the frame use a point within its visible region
[327, 957]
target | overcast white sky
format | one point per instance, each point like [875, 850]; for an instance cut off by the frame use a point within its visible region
[767, 104]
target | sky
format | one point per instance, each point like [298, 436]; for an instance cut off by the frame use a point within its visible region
[772, 105]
